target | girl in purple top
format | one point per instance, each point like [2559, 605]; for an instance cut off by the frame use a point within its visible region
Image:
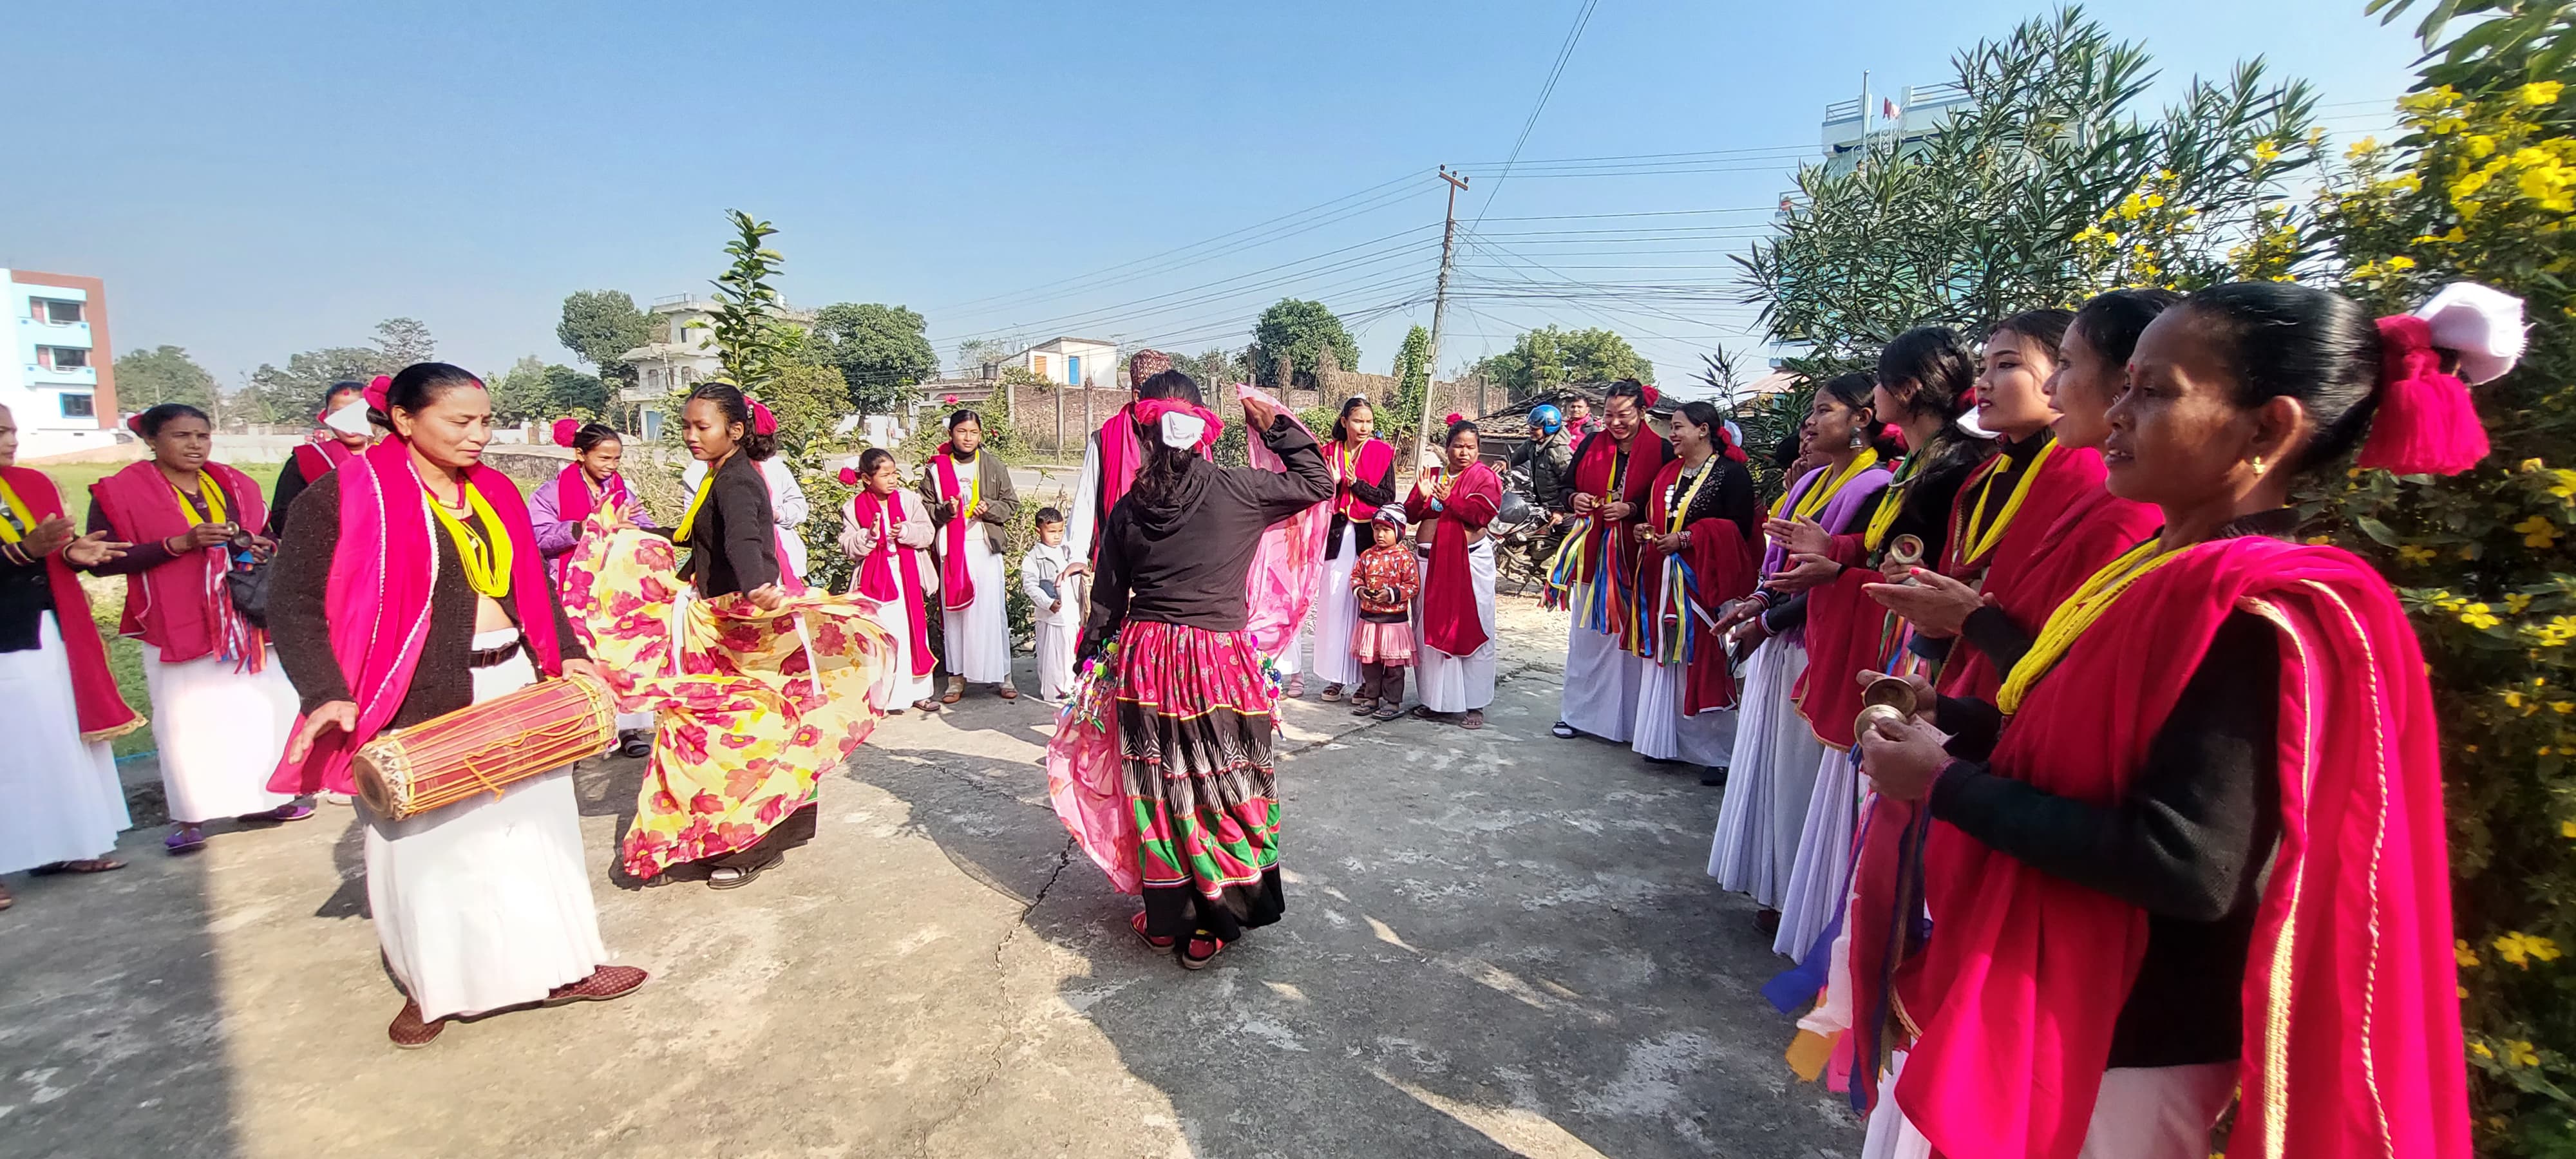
[561, 510]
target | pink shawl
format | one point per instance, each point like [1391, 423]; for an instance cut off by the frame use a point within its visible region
[2352, 1027]
[379, 595]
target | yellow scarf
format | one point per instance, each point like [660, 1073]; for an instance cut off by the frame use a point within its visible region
[206, 490]
[1891, 502]
[18, 521]
[689, 517]
[1980, 538]
[487, 564]
[1813, 502]
[2072, 618]
[1681, 509]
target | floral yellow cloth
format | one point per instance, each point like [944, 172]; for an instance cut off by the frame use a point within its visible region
[759, 706]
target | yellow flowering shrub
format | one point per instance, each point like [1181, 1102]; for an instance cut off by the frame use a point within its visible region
[2479, 188]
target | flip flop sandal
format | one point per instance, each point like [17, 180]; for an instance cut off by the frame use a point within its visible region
[1423, 712]
[742, 877]
[187, 840]
[1136, 921]
[1474, 719]
[1387, 712]
[926, 705]
[1361, 707]
[1007, 692]
[1333, 692]
[84, 865]
[1564, 731]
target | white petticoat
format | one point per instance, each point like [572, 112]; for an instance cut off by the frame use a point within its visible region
[486, 903]
[59, 797]
[221, 733]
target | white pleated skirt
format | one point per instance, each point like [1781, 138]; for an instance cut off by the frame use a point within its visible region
[1774, 772]
[221, 733]
[1055, 659]
[1821, 870]
[59, 797]
[906, 688]
[486, 903]
[1337, 612]
[1448, 683]
[1602, 681]
[1664, 734]
[979, 638]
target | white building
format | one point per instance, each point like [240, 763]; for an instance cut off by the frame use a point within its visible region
[682, 354]
[1905, 116]
[1071, 361]
[58, 376]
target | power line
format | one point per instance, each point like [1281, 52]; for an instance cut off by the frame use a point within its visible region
[1564, 52]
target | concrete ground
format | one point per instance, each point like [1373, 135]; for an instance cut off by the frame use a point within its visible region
[1497, 943]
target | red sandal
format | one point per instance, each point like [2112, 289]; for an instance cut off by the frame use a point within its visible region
[1137, 921]
[1191, 959]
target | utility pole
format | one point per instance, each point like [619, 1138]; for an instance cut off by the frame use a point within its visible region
[1439, 306]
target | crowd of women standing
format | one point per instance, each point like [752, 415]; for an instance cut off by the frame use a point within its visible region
[2085, 800]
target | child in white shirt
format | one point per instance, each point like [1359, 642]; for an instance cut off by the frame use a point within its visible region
[1058, 602]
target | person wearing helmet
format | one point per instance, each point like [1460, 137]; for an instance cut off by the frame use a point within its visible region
[1548, 454]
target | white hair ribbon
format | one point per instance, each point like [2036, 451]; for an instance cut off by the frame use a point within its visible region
[1181, 431]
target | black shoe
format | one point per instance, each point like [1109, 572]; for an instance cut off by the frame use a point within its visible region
[1714, 777]
[1768, 921]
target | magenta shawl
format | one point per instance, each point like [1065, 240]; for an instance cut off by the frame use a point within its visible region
[378, 599]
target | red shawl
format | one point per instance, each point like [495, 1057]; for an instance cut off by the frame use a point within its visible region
[1847, 633]
[103, 711]
[574, 500]
[314, 460]
[2352, 1026]
[892, 572]
[1450, 619]
[956, 582]
[1594, 464]
[1372, 462]
[2067, 528]
[181, 607]
[377, 601]
[1722, 568]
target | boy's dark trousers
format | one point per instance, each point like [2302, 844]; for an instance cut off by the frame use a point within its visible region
[1382, 682]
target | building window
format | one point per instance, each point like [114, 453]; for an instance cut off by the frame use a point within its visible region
[57, 311]
[61, 357]
[1038, 363]
[79, 406]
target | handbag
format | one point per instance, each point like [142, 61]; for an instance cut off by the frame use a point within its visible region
[247, 583]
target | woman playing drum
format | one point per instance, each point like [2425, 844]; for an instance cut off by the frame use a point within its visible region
[409, 588]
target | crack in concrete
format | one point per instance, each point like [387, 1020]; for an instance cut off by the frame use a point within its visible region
[1002, 1037]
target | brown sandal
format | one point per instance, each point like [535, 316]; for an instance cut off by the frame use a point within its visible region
[926, 705]
[1007, 692]
[83, 865]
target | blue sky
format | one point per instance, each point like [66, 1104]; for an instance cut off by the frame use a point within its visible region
[256, 179]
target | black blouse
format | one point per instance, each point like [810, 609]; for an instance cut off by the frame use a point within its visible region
[297, 624]
[1187, 565]
[2188, 844]
[733, 546]
[26, 594]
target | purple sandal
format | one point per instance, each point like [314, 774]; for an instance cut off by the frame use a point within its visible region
[184, 839]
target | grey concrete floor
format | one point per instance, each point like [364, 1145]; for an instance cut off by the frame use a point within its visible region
[1497, 943]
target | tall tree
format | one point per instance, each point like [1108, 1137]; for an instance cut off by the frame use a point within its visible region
[148, 378]
[881, 350]
[975, 352]
[404, 341]
[291, 394]
[1299, 333]
[2049, 183]
[600, 325]
[1214, 368]
[1412, 382]
[1549, 357]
